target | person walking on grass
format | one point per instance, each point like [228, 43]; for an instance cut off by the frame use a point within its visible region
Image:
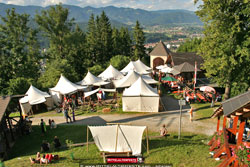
[43, 126]
[65, 111]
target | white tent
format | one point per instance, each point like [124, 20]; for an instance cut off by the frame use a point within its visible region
[140, 97]
[130, 78]
[118, 138]
[87, 94]
[64, 87]
[170, 70]
[111, 73]
[90, 80]
[137, 66]
[35, 96]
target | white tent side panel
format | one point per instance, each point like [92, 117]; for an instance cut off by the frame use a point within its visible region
[49, 103]
[129, 138]
[140, 104]
[56, 96]
[25, 107]
[133, 135]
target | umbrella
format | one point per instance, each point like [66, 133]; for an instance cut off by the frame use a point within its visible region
[169, 79]
[161, 67]
[170, 70]
[208, 89]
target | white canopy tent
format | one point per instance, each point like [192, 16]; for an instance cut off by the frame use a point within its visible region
[170, 70]
[87, 94]
[140, 97]
[130, 78]
[137, 66]
[118, 138]
[91, 80]
[64, 87]
[111, 73]
[161, 66]
[33, 97]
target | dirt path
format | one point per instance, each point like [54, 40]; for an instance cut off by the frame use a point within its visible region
[153, 121]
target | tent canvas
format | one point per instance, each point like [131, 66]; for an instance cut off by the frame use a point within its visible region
[111, 73]
[140, 97]
[35, 96]
[64, 87]
[137, 66]
[87, 94]
[90, 79]
[118, 138]
[130, 78]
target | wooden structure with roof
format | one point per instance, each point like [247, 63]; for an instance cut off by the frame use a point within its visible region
[238, 110]
[161, 55]
[7, 130]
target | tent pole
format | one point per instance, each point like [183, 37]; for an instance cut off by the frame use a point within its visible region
[87, 138]
[116, 137]
[147, 140]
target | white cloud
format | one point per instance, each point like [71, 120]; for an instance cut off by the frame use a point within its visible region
[143, 4]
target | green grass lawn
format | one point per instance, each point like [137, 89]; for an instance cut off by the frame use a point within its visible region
[189, 151]
[203, 110]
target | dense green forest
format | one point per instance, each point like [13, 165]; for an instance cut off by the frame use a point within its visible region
[71, 51]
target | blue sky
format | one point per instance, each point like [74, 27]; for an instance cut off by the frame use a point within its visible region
[142, 4]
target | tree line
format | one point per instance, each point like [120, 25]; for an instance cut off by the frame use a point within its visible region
[71, 51]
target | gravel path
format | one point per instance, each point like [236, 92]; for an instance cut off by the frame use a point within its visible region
[153, 120]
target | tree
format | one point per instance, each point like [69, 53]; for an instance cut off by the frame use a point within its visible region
[139, 40]
[20, 54]
[190, 45]
[56, 25]
[67, 44]
[126, 42]
[225, 46]
[119, 61]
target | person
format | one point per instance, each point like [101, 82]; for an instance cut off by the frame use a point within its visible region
[103, 95]
[191, 114]
[37, 160]
[57, 142]
[43, 126]
[65, 112]
[53, 124]
[45, 146]
[43, 160]
[187, 99]
[50, 122]
[163, 130]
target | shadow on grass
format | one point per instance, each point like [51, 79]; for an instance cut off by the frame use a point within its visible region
[206, 107]
[203, 118]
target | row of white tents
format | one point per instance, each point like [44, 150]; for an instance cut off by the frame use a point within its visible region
[139, 95]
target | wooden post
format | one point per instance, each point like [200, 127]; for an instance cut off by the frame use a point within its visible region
[87, 138]
[147, 140]
[10, 126]
[218, 124]
[116, 139]
[241, 131]
[224, 122]
[235, 122]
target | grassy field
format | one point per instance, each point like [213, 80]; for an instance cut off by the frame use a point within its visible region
[191, 150]
[203, 110]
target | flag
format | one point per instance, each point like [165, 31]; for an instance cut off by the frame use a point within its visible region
[195, 73]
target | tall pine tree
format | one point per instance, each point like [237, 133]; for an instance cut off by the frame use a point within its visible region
[139, 40]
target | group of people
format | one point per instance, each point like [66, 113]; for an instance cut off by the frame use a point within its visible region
[68, 105]
[45, 159]
[52, 125]
[45, 146]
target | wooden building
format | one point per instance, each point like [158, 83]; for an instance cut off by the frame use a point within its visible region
[10, 127]
[237, 110]
[161, 55]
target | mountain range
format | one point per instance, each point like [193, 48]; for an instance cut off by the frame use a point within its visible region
[119, 16]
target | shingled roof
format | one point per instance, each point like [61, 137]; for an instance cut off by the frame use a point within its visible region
[4, 101]
[236, 103]
[185, 67]
[160, 50]
[189, 57]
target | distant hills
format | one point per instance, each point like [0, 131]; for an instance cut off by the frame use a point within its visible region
[119, 16]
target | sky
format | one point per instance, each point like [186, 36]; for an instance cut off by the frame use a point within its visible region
[141, 4]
